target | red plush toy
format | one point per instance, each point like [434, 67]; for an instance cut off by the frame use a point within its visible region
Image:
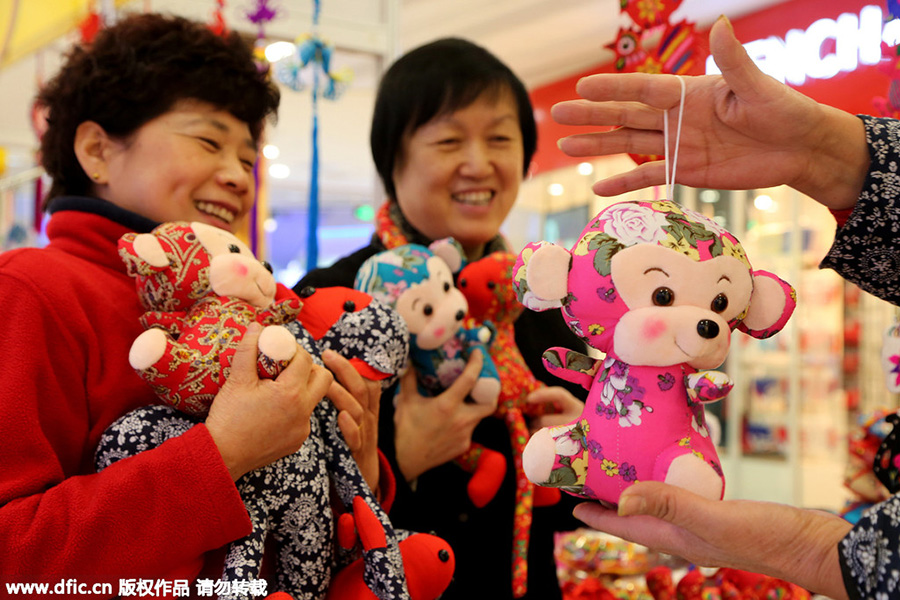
[427, 560]
[201, 297]
[487, 286]
[727, 584]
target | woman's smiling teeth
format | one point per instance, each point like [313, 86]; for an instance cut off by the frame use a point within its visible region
[215, 210]
[474, 198]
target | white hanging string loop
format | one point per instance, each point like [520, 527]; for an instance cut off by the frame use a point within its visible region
[670, 173]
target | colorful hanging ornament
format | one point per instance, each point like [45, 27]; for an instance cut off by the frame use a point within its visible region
[890, 356]
[91, 25]
[652, 45]
[887, 459]
[312, 60]
[649, 13]
[893, 9]
[261, 15]
[889, 65]
[218, 25]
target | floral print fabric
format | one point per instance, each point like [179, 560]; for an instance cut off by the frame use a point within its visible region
[865, 252]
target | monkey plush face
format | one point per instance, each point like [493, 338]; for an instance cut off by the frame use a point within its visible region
[679, 309]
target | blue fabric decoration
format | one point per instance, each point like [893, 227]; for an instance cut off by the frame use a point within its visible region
[312, 50]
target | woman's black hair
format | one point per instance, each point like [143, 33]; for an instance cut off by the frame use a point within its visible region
[439, 78]
[138, 69]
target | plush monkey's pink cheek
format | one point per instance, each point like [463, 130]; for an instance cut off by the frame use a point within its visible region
[653, 328]
[240, 270]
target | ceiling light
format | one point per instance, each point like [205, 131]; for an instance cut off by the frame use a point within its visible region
[279, 171]
[764, 203]
[271, 151]
[278, 50]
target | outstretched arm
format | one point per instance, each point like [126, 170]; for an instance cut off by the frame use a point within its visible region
[797, 545]
[740, 130]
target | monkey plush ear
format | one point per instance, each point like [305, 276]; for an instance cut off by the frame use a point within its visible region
[541, 275]
[771, 305]
[451, 251]
[143, 253]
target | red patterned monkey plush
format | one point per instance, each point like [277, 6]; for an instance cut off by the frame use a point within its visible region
[202, 287]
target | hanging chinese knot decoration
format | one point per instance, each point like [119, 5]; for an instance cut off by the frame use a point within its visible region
[310, 68]
[651, 44]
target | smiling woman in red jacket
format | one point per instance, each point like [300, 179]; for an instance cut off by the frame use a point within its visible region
[157, 120]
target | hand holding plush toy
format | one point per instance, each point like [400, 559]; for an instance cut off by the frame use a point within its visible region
[417, 281]
[658, 289]
[205, 287]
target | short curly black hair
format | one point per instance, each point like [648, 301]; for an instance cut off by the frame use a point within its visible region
[138, 69]
[439, 78]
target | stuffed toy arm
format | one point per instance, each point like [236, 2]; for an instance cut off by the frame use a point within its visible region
[172, 322]
[487, 388]
[571, 366]
[708, 386]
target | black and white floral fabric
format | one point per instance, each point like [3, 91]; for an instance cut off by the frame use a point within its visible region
[865, 249]
[866, 252]
[289, 499]
[870, 561]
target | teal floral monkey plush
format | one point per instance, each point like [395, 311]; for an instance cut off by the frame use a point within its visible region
[658, 289]
[417, 282]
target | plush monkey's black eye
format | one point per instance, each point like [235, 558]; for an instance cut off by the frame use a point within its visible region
[233, 248]
[267, 265]
[428, 310]
[446, 286]
[663, 296]
[719, 303]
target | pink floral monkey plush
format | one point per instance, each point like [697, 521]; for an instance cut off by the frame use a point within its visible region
[659, 289]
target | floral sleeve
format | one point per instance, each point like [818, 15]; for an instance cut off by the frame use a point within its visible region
[866, 250]
[870, 553]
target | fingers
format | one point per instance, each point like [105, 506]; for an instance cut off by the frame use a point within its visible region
[457, 392]
[348, 392]
[408, 386]
[669, 503]
[350, 428]
[243, 363]
[614, 114]
[643, 176]
[320, 380]
[565, 407]
[656, 90]
[740, 73]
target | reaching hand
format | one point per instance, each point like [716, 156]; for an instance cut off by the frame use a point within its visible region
[740, 130]
[432, 431]
[256, 421]
[797, 545]
[358, 400]
[569, 407]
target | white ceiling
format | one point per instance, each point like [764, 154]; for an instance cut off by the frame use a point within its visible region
[541, 40]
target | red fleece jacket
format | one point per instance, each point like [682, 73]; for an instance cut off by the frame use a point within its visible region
[70, 315]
